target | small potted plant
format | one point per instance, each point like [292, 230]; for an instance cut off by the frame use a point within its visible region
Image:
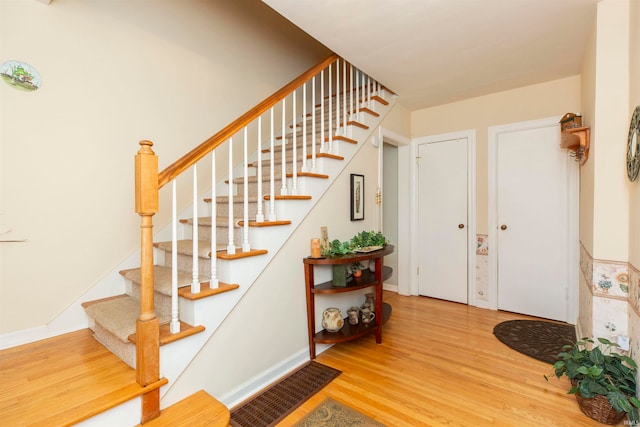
[602, 380]
[356, 269]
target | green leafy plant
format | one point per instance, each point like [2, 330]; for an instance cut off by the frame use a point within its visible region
[368, 238]
[336, 247]
[359, 241]
[596, 372]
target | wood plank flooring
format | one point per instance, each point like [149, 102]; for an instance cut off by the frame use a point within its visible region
[440, 364]
[63, 380]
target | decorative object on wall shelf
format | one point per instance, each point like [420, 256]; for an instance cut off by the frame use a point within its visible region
[20, 75]
[341, 275]
[357, 197]
[575, 137]
[332, 319]
[363, 242]
[369, 301]
[633, 146]
[315, 248]
[356, 269]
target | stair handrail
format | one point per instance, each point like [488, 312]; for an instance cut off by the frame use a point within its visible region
[147, 185]
[193, 156]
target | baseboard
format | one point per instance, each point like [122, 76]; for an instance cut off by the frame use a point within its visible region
[262, 380]
[390, 287]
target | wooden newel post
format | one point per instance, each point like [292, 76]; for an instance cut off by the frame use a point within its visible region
[147, 325]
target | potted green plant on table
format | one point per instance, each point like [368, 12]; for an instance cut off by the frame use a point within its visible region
[364, 241]
[603, 381]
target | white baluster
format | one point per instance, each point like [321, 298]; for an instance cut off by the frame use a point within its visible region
[356, 113]
[330, 127]
[305, 168]
[174, 326]
[344, 97]
[195, 279]
[351, 92]
[260, 213]
[294, 163]
[283, 189]
[368, 97]
[313, 124]
[231, 247]
[272, 180]
[213, 281]
[245, 197]
[337, 97]
[322, 146]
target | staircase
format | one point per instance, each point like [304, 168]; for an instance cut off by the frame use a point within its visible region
[255, 211]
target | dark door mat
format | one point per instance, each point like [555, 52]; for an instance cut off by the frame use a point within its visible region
[536, 338]
[276, 402]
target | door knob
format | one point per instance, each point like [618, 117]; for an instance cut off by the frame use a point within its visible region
[460, 225]
[503, 227]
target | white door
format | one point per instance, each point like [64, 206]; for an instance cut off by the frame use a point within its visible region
[532, 222]
[443, 219]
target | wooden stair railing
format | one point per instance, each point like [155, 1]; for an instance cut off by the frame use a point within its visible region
[148, 182]
[147, 325]
[186, 161]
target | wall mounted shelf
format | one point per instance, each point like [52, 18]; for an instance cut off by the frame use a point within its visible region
[576, 140]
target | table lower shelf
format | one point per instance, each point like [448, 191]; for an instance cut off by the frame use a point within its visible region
[351, 332]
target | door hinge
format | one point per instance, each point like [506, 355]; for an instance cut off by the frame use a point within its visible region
[418, 160]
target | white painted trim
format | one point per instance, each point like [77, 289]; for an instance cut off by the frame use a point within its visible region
[404, 215]
[573, 183]
[573, 297]
[265, 378]
[470, 135]
[394, 138]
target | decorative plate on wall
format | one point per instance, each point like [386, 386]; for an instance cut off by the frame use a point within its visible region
[633, 146]
[20, 75]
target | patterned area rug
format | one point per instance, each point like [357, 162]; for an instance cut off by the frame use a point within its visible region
[539, 339]
[331, 413]
[272, 405]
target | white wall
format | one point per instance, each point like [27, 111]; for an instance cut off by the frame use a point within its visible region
[114, 73]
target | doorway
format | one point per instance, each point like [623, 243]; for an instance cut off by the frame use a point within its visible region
[445, 216]
[532, 224]
[390, 207]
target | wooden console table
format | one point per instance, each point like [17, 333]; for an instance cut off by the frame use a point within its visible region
[348, 332]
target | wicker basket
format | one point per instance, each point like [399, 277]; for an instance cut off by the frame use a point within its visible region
[598, 408]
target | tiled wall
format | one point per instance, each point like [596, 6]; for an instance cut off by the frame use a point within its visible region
[609, 295]
[614, 306]
[482, 267]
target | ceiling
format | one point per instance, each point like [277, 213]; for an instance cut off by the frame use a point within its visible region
[433, 52]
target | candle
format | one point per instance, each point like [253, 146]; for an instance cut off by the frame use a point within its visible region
[315, 248]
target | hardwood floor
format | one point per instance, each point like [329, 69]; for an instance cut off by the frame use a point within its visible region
[439, 364]
[63, 380]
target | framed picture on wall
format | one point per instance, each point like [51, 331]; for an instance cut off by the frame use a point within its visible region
[357, 197]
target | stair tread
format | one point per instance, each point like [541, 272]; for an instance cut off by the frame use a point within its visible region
[185, 247]
[161, 278]
[119, 315]
[205, 221]
[199, 409]
[166, 337]
[236, 199]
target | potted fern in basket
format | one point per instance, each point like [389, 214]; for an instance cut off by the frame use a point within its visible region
[603, 381]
